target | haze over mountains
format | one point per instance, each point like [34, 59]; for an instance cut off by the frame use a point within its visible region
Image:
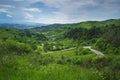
[21, 25]
[80, 24]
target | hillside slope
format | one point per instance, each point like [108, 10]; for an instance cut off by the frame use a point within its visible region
[57, 30]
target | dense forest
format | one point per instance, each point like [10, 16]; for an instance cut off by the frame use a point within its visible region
[56, 52]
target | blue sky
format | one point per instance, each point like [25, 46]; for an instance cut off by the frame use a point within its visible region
[58, 11]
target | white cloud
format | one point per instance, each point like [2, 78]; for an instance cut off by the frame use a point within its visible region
[7, 6]
[70, 10]
[57, 18]
[32, 9]
[28, 16]
[78, 10]
[9, 16]
[66, 11]
[3, 10]
[47, 20]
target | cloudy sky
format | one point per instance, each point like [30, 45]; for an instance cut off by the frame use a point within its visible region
[58, 11]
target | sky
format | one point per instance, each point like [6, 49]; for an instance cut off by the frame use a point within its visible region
[58, 11]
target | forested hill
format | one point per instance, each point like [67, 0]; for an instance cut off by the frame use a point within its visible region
[57, 30]
[86, 24]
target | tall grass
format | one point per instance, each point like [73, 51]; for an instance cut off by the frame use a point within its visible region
[59, 66]
[49, 72]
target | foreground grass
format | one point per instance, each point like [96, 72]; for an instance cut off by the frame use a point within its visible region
[41, 67]
[65, 65]
[49, 72]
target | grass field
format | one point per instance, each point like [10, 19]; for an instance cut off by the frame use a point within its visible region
[63, 65]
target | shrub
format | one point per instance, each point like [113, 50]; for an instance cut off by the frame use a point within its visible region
[83, 60]
[86, 51]
[115, 63]
[8, 61]
[62, 60]
[82, 51]
[59, 61]
[11, 46]
[100, 61]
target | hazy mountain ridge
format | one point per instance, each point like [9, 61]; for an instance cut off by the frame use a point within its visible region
[21, 26]
[85, 24]
[46, 27]
[60, 29]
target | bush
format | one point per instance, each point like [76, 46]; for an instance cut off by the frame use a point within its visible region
[8, 61]
[78, 50]
[100, 61]
[11, 46]
[115, 63]
[62, 60]
[59, 61]
[38, 59]
[83, 51]
[86, 51]
[109, 75]
[83, 60]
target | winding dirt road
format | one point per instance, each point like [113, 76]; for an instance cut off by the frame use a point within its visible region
[93, 50]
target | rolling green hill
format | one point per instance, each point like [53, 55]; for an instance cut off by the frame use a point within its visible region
[56, 52]
[57, 30]
[12, 35]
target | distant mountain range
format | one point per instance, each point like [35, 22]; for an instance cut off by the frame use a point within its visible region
[56, 30]
[85, 24]
[42, 27]
[21, 26]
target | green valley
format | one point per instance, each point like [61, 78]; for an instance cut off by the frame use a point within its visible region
[56, 52]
